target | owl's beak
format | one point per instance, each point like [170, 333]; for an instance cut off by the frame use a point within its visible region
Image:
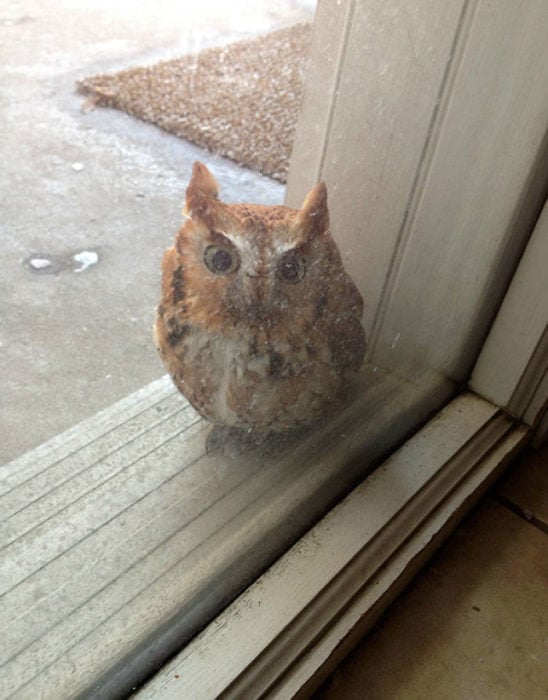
[258, 290]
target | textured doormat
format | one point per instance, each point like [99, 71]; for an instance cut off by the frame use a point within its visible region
[240, 101]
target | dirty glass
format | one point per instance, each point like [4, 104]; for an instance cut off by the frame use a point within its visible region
[241, 264]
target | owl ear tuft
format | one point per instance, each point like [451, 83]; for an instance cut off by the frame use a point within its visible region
[313, 217]
[201, 188]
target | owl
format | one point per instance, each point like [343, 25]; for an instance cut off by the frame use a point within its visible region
[258, 323]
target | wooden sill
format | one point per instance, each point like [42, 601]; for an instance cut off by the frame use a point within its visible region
[121, 538]
[292, 626]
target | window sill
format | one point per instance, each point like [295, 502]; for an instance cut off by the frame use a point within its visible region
[293, 625]
[120, 536]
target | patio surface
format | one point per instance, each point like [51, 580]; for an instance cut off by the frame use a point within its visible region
[99, 185]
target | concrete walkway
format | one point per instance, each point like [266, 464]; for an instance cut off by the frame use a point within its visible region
[90, 200]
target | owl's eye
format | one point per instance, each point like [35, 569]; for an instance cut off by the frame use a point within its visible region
[291, 267]
[221, 260]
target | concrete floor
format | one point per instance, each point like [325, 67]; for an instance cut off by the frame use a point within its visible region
[73, 342]
[474, 623]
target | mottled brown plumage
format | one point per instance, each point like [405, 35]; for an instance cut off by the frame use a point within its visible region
[258, 323]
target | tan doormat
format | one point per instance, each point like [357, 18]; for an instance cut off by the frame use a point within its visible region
[240, 101]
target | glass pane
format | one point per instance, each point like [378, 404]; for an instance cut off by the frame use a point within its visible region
[124, 535]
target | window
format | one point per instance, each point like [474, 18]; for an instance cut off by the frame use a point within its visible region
[428, 125]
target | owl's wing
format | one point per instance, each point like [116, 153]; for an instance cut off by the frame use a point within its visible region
[169, 277]
[347, 341]
[170, 325]
[347, 344]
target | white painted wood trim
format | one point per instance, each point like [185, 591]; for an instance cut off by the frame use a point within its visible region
[427, 120]
[376, 70]
[481, 192]
[290, 626]
[513, 363]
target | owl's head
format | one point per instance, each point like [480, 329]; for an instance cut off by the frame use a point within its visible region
[252, 263]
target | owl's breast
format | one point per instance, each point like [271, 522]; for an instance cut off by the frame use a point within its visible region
[252, 380]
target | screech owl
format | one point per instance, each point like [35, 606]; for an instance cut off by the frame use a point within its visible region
[258, 323]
